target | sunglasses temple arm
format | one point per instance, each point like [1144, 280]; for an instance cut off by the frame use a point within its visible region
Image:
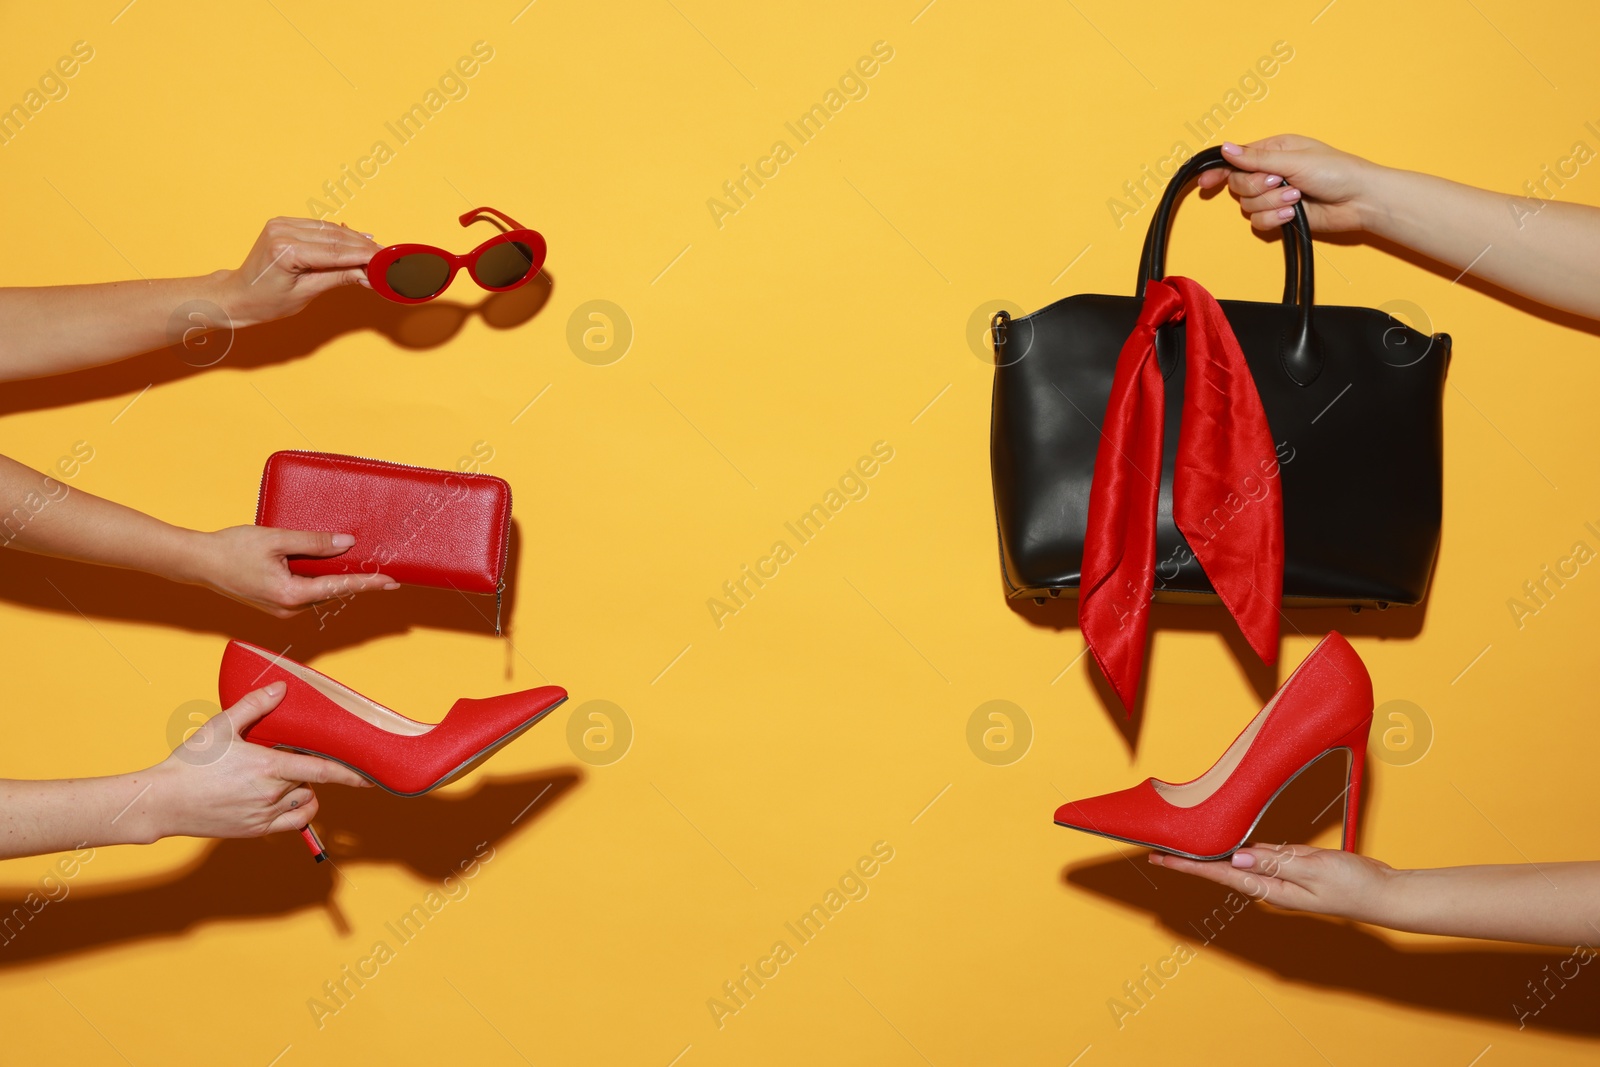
[477, 213]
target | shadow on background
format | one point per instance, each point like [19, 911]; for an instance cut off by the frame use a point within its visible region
[1399, 623]
[1481, 982]
[85, 590]
[335, 313]
[272, 877]
[1470, 281]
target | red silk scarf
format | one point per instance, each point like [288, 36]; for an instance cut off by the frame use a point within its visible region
[1224, 446]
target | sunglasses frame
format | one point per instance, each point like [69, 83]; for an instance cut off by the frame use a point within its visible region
[378, 266]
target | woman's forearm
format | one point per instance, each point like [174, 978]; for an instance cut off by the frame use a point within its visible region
[248, 563]
[54, 329]
[1530, 245]
[1545, 903]
[1541, 249]
[40, 514]
[54, 816]
[60, 328]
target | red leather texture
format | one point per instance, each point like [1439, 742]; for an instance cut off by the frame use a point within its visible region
[418, 526]
[1325, 704]
[407, 764]
[1224, 446]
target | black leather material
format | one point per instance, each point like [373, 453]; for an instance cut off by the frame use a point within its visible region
[1354, 399]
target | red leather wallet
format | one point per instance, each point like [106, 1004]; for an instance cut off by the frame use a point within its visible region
[418, 526]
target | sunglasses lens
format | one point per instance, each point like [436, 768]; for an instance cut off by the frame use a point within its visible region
[504, 264]
[418, 275]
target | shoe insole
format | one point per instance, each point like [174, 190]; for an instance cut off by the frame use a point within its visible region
[348, 699]
[1190, 794]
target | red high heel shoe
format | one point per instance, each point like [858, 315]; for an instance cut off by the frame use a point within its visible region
[320, 717]
[1326, 705]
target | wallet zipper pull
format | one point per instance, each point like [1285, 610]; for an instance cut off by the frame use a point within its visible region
[498, 590]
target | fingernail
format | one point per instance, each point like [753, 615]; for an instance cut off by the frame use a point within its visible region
[1273, 180]
[392, 585]
[343, 540]
[1155, 858]
[1289, 196]
[276, 689]
[1286, 213]
[1243, 859]
[1231, 148]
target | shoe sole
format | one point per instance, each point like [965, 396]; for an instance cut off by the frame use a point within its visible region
[1259, 816]
[460, 770]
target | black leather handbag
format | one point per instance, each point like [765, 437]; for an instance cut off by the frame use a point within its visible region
[1353, 397]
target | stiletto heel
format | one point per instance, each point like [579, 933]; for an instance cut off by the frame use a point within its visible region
[1325, 705]
[1355, 742]
[320, 717]
[314, 843]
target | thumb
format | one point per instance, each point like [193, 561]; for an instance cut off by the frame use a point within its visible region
[1256, 158]
[253, 705]
[313, 542]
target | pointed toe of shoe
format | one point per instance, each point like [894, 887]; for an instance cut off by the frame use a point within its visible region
[1109, 815]
[1139, 816]
[509, 710]
[474, 729]
[479, 726]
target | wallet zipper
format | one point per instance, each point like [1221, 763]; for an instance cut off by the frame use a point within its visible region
[505, 554]
[505, 536]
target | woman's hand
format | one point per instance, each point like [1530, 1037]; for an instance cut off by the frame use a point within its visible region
[293, 261]
[1299, 878]
[1538, 903]
[248, 563]
[1332, 184]
[216, 784]
[61, 328]
[251, 565]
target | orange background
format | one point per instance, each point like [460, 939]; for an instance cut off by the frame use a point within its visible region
[760, 760]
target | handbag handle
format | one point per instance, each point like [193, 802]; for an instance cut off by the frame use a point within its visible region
[1302, 355]
[1291, 264]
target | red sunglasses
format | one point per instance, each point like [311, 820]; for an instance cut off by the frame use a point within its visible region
[414, 274]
